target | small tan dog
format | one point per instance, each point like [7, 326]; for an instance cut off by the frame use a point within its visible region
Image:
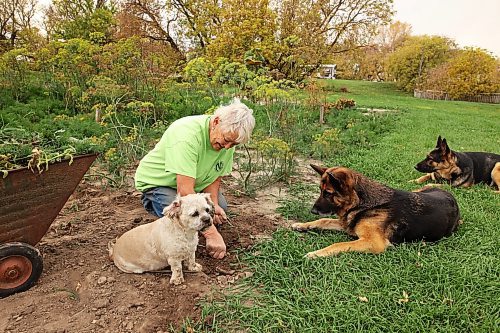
[169, 240]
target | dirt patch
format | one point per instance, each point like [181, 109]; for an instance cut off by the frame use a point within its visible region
[81, 291]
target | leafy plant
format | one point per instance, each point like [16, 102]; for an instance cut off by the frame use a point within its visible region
[327, 143]
[262, 163]
[343, 103]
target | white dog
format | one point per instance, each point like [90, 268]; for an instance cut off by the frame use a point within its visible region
[169, 240]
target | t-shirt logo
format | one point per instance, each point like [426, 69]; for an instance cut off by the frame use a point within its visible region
[219, 165]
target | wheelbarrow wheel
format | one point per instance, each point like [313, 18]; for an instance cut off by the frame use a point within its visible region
[20, 267]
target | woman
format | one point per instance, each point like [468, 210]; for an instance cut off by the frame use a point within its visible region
[192, 156]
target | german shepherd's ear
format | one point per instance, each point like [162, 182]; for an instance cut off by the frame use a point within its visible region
[335, 182]
[318, 169]
[445, 150]
[439, 142]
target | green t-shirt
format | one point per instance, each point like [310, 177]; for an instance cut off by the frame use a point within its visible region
[184, 149]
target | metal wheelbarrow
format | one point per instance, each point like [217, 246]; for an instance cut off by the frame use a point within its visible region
[29, 203]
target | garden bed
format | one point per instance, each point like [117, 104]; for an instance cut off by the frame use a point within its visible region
[82, 291]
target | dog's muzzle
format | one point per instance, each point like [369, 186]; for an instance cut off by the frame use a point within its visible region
[206, 221]
[315, 211]
[423, 167]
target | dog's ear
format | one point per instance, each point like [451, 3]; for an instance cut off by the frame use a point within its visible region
[318, 169]
[439, 141]
[210, 203]
[174, 208]
[335, 182]
[208, 198]
[445, 150]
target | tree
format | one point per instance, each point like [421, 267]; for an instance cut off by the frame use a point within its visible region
[322, 28]
[368, 63]
[392, 36]
[87, 19]
[245, 25]
[15, 16]
[150, 19]
[409, 64]
[469, 72]
[290, 35]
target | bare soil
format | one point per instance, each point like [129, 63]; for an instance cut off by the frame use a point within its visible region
[81, 291]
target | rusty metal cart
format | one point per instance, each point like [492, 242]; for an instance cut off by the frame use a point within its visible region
[29, 203]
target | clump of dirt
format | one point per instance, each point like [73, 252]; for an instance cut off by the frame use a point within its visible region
[81, 291]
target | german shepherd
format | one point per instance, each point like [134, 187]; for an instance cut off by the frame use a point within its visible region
[377, 214]
[460, 169]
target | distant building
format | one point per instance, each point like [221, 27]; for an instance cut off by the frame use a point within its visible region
[327, 71]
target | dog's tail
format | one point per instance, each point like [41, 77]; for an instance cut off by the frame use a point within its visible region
[111, 244]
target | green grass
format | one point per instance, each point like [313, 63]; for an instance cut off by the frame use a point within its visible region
[453, 285]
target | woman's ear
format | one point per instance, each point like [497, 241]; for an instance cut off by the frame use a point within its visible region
[216, 121]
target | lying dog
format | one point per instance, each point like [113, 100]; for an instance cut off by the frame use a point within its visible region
[169, 240]
[377, 214]
[460, 169]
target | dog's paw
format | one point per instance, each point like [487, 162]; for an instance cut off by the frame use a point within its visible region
[299, 226]
[177, 280]
[194, 268]
[312, 255]
[321, 254]
[415, 181]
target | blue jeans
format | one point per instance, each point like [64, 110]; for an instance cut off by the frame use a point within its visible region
[157, 198]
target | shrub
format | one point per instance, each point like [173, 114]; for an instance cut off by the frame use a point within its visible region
[327, 143]
[233, 73]
[343, 103]
[409, 64]
[468, 73]
[199, 71]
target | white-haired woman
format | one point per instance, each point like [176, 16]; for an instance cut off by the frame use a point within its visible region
[192, 156]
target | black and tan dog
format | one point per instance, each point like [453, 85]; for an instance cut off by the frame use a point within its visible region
[460, 169]
[377, 214]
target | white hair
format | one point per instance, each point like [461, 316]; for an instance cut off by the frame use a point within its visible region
[238, 118]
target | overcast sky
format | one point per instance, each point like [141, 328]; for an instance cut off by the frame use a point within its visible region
[468, 22]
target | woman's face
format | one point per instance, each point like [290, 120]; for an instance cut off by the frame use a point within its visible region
[220, 139]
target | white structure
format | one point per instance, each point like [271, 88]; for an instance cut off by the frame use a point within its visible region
[327, 71]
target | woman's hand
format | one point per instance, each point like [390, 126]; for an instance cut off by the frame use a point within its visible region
[220, 215]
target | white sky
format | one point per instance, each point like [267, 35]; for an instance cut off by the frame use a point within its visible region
[469, 22]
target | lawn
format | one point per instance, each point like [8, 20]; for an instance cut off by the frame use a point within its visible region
[450, 286]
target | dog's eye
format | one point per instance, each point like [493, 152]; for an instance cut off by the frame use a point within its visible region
[207, 210]
[195, 214]
[327, 193]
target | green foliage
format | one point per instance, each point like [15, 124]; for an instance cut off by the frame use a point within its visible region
[14, 70]
[327, 143]
[33, 137]
[469, 72]
[199, 71]
[102, 89]
[449, 284]
[123, 61]
[263, 162]
[410, 63]
[81, 19]
[71, 64]
[343, 103]
[244, 26]
[232, 73]
[270, 92]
